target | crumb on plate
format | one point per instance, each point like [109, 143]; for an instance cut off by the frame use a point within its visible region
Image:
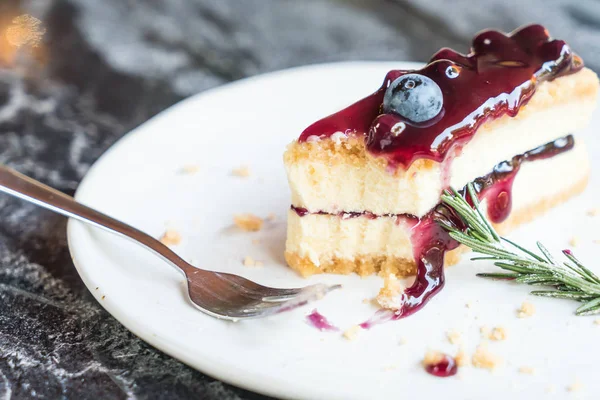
[593, 211]
[390, 295]
[170, 238]
[575, 386]
[596, 321]
[497, 333]
[483, 358]
[574, 241]
[461, 358]
[189, 169]
[527, 310]
[453, 336]
[242, 172]
[248, 222]
[352, 332]
[526, 370]
[271, 217]
[251, 262]
[433, 357]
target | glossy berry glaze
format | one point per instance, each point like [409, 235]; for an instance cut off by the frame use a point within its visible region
[320, 322]
[430, 241]
[444, 368]
[497, 77]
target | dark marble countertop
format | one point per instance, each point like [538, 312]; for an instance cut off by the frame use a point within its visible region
[104, 67]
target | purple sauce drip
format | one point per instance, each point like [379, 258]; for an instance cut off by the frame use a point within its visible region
[320, 322]
[497, 77]
[444, 368]
[430, 241]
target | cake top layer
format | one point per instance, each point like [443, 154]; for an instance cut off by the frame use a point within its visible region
[429, 112]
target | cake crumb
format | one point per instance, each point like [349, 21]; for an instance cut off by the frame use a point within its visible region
[352, 332]
[242, 172]
[527, 310]
[248, 222]
[453, 336]
[390, 295]
[251, 262]
[574, 241]
[103, 297]
[170, 238]
[593, 212]
[255, 241]
[483, 358]
[597, 321]
[497, 333]
[433, 357]
[461, 358]
[469, 304]
[271, 217]
[189, 169]
[575, 386]
[485, 331]
[527, 370]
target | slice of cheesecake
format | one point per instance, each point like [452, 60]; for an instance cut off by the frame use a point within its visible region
[365, 181]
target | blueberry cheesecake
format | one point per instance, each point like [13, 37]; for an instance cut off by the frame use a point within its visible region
[365, 180]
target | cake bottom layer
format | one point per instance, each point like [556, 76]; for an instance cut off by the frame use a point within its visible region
[325, 243]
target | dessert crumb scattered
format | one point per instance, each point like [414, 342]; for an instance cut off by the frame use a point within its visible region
[527, 310]
[574, 241]
[433, 357]
[593, 212]
[454, 337]
[103, 297]
[485, 331]
[575, 386]
[248, 222]
[170, 238]
[497, 333]
[469, 304]
[352, 332]
[189, 169]
[483, 358]
[390, 295]
[461, 358]
[526, 370]
[271, 217]
[255, 241]
[596, 321]
[242, 172]
[251, 262]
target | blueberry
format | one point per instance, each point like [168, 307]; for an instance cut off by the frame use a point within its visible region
[414, 97]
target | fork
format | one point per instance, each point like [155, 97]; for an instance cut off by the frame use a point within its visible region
[221, 295]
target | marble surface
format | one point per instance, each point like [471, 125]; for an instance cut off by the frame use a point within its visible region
[104, 67]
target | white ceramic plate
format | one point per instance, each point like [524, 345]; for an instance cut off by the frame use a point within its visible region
[249, 123]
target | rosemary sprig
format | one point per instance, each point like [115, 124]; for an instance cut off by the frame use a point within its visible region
[566, 280]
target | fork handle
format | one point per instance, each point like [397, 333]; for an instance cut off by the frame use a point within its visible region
[23, 187]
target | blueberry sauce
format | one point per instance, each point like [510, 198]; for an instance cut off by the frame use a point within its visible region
[444, 368]
[430, 241]
[320, 322]
[429, 112]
